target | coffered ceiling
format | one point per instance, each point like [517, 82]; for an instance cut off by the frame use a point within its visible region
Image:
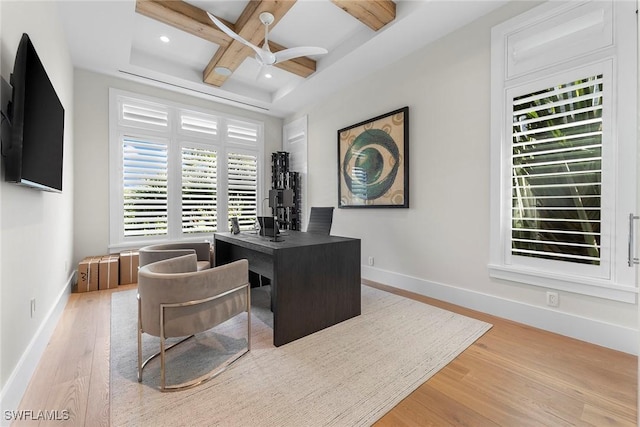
[231, 51]
[123, 38]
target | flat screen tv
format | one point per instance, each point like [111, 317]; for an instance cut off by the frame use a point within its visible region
[32, 144]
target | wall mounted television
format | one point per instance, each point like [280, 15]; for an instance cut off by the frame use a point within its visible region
[33, 124]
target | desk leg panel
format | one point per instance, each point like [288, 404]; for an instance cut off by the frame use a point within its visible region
[315, 287]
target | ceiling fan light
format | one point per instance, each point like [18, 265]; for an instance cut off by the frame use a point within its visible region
[223, 71]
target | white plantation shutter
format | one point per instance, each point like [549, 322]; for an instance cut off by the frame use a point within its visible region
[198, 123]
[144, 183]
[556, 162]
[144, 115]
[199, 190]
[242, 170]
[170, 163]
[242, 202]
[242, 134]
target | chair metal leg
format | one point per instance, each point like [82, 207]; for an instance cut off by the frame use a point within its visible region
[206, 377]
[163, 348]
[139, 340]
[162, 364]
[249, 318]
[153, 356]
[142, 364]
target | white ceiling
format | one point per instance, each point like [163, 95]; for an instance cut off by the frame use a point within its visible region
[111, 38]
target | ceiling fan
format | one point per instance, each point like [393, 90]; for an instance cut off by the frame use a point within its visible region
[264, 56]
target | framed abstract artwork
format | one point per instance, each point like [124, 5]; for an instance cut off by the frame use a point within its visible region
[373, 162]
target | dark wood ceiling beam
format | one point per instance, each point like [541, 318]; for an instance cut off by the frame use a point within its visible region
[373, 13]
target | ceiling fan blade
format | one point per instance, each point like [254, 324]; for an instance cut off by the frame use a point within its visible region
[234, 36]
[296, 52]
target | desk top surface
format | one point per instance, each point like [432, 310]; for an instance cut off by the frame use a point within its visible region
[292, 239]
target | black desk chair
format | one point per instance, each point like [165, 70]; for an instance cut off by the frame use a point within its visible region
[320, 220]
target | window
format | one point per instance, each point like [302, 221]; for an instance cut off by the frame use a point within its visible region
[563, 148]
[556, 164]
[169, 166]
[243, 188]
[199, 190]
[144, 182]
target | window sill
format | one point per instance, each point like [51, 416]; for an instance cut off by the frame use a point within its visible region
[580, 285]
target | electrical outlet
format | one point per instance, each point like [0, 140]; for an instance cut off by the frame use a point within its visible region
[552, 299]
[371, 260]
[33, 307]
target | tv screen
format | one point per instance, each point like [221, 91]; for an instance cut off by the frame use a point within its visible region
[34, 150]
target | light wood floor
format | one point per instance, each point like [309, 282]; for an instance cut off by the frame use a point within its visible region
[513, 375]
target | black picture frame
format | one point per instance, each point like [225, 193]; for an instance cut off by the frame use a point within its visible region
[373, 162]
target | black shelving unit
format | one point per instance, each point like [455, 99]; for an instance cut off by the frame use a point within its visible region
[281, 179]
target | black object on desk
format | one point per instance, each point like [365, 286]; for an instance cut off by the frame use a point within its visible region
[279, 198]
[315, 279]
[268, 227]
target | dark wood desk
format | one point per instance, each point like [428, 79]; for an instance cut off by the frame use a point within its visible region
[315, 279]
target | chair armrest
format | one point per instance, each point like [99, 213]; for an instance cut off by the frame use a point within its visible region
[186, 263]
[198, 285]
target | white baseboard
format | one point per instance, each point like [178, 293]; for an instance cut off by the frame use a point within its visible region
[16, 385]
[594, 331]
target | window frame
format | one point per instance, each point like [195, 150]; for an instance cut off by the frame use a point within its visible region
[616, 57]
[176, 138]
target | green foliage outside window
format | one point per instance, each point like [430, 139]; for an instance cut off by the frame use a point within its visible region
[557, 172]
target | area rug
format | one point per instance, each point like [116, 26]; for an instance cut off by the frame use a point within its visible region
[350, 374]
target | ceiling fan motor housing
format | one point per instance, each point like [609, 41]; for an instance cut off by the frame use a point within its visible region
[266, 18]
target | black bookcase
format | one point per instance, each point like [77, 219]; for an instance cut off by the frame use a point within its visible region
[282, 178]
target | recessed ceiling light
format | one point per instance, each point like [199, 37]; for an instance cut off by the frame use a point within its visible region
[164, 39]
[268, 75]
[223, 71]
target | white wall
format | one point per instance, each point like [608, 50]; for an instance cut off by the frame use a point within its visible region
[440, 246]
[35, 227]
[91, 226]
